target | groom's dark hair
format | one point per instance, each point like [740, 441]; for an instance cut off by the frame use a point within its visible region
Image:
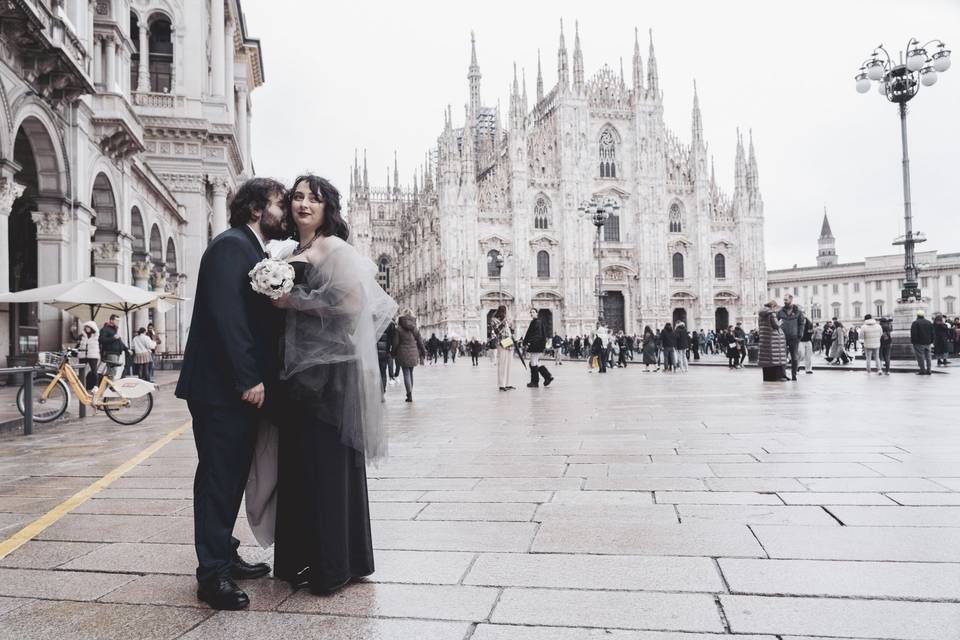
[253, 195]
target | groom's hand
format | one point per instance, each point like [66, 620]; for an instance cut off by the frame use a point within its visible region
[254, 396]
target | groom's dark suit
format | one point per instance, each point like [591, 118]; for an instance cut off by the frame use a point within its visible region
[232, 347]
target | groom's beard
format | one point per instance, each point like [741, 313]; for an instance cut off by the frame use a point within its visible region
[273, 229]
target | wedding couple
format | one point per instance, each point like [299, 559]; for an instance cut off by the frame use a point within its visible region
[285, 395]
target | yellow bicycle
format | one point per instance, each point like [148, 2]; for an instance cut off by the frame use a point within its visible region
[125, 401]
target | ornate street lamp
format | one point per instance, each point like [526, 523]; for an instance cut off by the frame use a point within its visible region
[499, 260]
[599, 211]
[899, 83]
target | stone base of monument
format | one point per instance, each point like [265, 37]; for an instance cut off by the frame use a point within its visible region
[904, 313]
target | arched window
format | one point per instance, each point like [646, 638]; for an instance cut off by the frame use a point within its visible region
[543, 264]
[493, 271]
[719, 266]
[541, 214]
[156, 246]
[608, 154]
[815, 312]
[139, 235]
[161, 55]
[135, 56]
[836, 309]
[678, 266]
[611, 230]
[105, 209]
[676, 219]
[171, 257]
[878, 308]
[383, 272]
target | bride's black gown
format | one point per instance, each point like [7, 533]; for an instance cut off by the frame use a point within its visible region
[323, 517]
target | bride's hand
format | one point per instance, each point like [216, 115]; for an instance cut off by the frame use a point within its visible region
[283, 302]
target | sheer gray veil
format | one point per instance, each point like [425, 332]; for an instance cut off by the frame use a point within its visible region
[336, 319]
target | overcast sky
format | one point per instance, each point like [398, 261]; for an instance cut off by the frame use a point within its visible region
[378, 75]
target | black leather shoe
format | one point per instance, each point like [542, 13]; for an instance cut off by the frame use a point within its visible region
[243, 570]
[223, 594]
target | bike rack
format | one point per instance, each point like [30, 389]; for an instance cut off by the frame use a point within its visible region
[27, 373]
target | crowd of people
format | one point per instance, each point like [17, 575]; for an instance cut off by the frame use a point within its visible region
[103, 351]
[784, 342]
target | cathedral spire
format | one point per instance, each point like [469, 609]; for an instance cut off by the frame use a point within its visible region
[697, 119]
[577, 59]
[467, 153]
[388, 181]
[562, 69]
[366, 182]
[356, 169]
[622, 79]
[637, 63]
[473, 76]
[740, 169]
[523, 100]
[825, 231]
[415, 190]
[351, 181]
[826, 244]
[653, 79]
[713, 176]
[753, 176]
[396, 172]
[539, 79]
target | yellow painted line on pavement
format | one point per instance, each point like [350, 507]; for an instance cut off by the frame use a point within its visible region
[33, 529]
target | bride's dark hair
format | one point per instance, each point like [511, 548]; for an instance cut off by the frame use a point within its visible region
[323, 189]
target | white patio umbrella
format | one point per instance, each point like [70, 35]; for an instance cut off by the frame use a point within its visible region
[90, 299]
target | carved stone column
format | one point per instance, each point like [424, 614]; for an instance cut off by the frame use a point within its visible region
[9, 192]
[143, 72]
[141, 279]
[107, 261]
[158, 280]
[97, 61]
[241, 126]
[52, 264]
[110, 49]
[228, 52]
[220, 190]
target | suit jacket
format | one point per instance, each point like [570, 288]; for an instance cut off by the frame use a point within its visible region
[234, 337]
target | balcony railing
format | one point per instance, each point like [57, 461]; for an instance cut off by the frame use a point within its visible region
[159, 100]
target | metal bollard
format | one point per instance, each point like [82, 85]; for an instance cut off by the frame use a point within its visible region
[28, 403]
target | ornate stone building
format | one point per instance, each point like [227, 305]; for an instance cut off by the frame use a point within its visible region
[849, 290]
[677, 247]
[124, 126]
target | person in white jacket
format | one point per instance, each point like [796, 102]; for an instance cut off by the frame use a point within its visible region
[143, 348]
[89, 351]
[870, 334]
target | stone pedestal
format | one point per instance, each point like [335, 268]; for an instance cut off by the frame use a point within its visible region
[904, 313]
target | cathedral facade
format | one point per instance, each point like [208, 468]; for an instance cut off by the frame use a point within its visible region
[676, 246]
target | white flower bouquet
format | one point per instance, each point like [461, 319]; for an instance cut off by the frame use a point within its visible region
[273, 278]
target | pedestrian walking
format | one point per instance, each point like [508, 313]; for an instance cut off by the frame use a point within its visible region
[89, 352]
[535, 341]
[773, 345]
[871, 334]
[838, 349]
[806, 346]
[158, 340]
[921, 337]
[408, 349]
[668, 342]
[475, 348]
[503, 336]
[792, 324]
[682, 339]
[942, 340]
[143, 348]
[886, 343]
[112, 348]
[649, 349]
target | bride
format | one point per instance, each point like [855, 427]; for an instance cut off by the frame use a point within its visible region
[330, 421]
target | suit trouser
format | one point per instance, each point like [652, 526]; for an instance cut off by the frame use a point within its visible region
[503, 366]
[922, 353]
[225, 437]
[792, 344]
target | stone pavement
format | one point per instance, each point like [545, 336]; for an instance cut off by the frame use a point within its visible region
[629, 506]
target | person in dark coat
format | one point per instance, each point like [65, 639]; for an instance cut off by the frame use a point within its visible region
[668, 342]
[682, 339]
[384, 354]
[773, 346]
[886, 343]
[230, 370]
[597, 350]
[475, 348]
[942, 340]
[649, 349]
[792, 323]
[922, 336]
[408, 350]
[535, 341]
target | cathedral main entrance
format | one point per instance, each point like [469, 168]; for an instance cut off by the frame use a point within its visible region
[613, 311]
[722, 317]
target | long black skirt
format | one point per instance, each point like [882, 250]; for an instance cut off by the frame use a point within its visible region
[774, 374]
[323, 514]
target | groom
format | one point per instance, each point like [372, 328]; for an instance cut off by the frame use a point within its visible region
[230, 361]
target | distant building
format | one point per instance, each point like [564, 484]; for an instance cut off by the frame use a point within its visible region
[124, 127]
[849, 290]
[678, 247]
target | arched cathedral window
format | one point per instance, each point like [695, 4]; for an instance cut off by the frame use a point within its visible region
[541, 214]
[608, 154]
[676, 218]
[493, 271]
[543, 264]
[383, 272]
[678, 266]
[719, 266]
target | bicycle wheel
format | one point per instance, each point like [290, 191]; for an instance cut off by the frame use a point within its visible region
[51, 408]
[132, 411]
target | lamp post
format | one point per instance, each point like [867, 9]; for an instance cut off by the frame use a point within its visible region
[498, 261]
[899, 83]
[599, 211]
